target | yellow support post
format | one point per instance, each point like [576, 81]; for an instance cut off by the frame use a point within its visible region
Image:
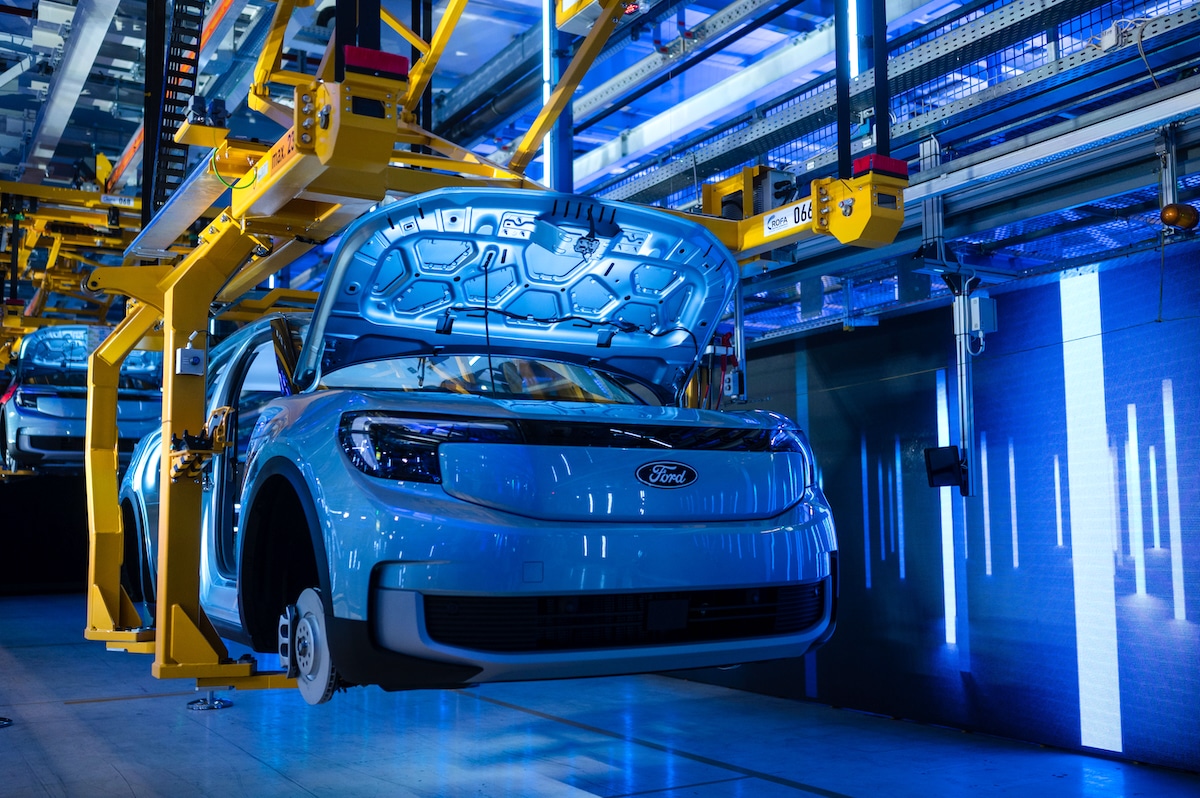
[186, 644]
[108, 617]
[268, 67]
[571, 77]
[111, 616]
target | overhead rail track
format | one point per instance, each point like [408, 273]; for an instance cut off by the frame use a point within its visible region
[1038, 93]
[1042, 174]
[72, 231]
[179, 86]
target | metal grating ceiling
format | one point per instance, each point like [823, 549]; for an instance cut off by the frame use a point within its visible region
[979, 76]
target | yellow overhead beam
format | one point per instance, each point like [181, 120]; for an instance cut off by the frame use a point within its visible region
[70, 196]
[422, 71]
[592, 44]
[269, 67]
[260, 268]
[277, 300]
[409, 35]
[864, 211]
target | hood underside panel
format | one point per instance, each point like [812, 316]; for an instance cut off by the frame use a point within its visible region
[629, 289]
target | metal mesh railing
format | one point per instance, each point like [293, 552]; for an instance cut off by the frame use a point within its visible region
[724, 151]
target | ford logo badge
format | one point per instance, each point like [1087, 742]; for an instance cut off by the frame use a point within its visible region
[666, 474]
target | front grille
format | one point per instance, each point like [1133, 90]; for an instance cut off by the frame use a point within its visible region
[66, 443]
[621, 620]
[55, 443]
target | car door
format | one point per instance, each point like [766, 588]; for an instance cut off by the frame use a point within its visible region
[258, 374]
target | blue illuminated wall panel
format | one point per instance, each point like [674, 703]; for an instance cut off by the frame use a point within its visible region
[1062, 604]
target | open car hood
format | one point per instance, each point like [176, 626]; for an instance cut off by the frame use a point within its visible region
[64, 348]
[628, 289]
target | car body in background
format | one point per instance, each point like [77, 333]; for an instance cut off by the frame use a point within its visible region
[43, 411]
[478, 468]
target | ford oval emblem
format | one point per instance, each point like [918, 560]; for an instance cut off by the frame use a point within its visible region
[666, 474]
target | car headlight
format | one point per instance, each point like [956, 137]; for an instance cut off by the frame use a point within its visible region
[26, 400]
[405, 448]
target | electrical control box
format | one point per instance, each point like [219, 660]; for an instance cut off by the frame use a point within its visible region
[983, 315]
[734, 386]
[1111, 38]
[189, 361]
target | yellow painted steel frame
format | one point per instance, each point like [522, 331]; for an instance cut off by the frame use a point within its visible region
[713, 193]
[409, 35]
[184, 642]
[866, 211]
[112, 617]
[268, 68]
[422, 71]
[873, 220]
[571, 77]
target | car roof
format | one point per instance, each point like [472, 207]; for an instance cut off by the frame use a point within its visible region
[630, 289]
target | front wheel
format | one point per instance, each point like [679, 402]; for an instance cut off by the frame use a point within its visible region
[308, 655]
[7, 461]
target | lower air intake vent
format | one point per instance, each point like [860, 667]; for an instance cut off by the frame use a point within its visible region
[621, 620]
[61, 443]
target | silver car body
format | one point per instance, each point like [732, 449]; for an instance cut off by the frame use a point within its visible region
[483, 449]
[45, 407]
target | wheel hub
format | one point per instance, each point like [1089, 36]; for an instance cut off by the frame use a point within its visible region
[307, 645]
[314, 670]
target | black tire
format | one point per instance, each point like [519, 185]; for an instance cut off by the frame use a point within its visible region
[7, 460]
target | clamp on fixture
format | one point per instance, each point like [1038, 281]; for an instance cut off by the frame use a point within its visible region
[191, 454]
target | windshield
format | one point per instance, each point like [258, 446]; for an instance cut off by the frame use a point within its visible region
[501, 376]
[58, 357]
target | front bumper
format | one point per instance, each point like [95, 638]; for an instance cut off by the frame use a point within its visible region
[48, 441]
[602, 634]
[536, 600]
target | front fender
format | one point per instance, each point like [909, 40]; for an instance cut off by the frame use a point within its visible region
[257, 551]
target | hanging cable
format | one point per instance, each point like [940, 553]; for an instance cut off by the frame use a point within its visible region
[213, 162]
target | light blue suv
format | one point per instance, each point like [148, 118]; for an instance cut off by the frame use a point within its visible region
[477, 468]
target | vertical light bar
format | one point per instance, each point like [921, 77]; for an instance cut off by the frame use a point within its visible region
[882, 515]
[1133, 489]
[1114, 504]
[866, 511]
[1012, 500]
[1173, 520]
[852, 19]
[1058, 499]
[962, 594]
[1150, 455]
[949, 599]
[987, 504]
[1090, 485]
[891, 510]
[548, 31]
[900, 507]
